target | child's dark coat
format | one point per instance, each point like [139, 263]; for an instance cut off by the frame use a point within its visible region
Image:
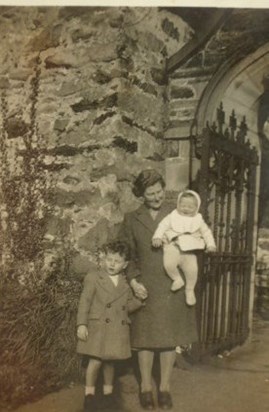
[104, 308]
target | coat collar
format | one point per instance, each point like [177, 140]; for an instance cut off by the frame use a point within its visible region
[143, 215]
[114, 291]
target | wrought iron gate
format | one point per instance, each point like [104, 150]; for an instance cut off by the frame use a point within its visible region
[226, 184]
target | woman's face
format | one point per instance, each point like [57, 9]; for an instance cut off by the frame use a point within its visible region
[154, 196]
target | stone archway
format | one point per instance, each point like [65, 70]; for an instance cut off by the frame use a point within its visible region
[239, 87]
[243, 87]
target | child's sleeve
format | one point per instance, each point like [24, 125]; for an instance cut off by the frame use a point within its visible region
[207, 234]
[163, 226]
[85, 300]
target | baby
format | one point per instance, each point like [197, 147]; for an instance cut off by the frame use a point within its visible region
[181, 233]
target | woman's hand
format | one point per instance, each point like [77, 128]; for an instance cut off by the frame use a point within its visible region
[157, 242]
[139, 290]
[82, 332]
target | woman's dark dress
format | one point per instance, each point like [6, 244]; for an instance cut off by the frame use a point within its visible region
[166, 321]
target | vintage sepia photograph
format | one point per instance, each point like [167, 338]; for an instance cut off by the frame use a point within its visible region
[134, 208]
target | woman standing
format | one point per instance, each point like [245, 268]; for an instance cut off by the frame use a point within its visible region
[166, 321]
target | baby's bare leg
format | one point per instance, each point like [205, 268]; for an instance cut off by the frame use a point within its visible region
[190, 268]
[171, 261]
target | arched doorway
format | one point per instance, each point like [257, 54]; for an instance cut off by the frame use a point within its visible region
[243, 87]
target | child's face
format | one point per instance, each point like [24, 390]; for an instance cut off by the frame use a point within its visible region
[114, 263]
[187, 206]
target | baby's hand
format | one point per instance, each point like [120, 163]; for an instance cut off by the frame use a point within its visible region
[82, 332]
[211, 249]
[157, 242]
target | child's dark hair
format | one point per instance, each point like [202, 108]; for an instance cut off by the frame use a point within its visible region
[117, 246]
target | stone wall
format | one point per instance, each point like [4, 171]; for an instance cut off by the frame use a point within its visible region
[106, 105]
[102, 105]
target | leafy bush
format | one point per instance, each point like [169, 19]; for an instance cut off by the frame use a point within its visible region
[38, 339]
[37, 299]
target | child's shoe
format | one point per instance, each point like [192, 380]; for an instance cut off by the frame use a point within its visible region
[89, 403]
[177, 284]
[109, 403]
[190, 297]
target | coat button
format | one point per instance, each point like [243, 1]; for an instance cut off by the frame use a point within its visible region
[107, 320]
[124, 307]
[108, 305]
[123, 322]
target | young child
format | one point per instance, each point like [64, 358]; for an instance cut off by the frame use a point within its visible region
[181, 232]
[103, 322]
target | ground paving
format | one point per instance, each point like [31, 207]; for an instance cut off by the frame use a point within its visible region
[233, 382]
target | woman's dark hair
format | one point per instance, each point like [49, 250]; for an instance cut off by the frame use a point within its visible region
[145, 179]
[117, 246]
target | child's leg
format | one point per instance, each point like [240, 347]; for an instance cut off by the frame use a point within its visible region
[91, 375]
[109, 400]
[171, 260]
[190, 268]
[108, 373]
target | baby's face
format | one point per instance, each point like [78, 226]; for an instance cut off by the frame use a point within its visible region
[114, 263]
[187, 206]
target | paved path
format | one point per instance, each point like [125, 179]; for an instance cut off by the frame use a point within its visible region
[235, 383]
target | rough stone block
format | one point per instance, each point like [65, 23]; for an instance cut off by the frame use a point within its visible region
[97, 236]
[81, 265]
[20, 74]
[107, 184]
[60, 124]
[145, 109]
[159, 76]
[180, 132]
[69, 87]
[47, 38]
[4, 82]
[182, 92]
[61, 59]
[103, 53]
[111, 212]
[58, 226]
[16, 127]
[81, 34]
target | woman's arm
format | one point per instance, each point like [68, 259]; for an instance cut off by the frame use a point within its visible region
[133, 269]
[126, 235]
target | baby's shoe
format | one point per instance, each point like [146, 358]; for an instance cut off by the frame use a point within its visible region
[177, 284]
[190, 297]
